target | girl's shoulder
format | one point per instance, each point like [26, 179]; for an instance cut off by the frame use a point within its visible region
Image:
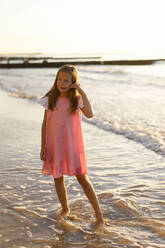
[43, 101]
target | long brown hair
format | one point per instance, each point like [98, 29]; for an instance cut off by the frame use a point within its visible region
[54, 93]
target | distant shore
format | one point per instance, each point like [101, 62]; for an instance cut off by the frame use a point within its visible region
[50, 62]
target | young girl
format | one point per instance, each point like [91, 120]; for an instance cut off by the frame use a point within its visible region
[62, 149]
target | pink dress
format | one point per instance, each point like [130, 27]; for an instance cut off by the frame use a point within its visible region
[64, 143]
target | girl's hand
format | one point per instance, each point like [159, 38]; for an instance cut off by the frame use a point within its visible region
[87, 109]
[42, 154]
[76, 86]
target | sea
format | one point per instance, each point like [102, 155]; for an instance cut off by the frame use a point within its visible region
[125, 153]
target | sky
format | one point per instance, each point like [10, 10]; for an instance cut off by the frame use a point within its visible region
[82, 26]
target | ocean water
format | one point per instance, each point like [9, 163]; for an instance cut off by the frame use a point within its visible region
[125, 150]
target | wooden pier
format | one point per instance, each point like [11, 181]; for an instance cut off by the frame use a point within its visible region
[50, 62]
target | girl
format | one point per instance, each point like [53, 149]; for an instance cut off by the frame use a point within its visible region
[62, 149]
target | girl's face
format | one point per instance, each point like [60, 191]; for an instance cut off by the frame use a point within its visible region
[64, 81]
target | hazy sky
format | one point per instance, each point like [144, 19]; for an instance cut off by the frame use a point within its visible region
[70, 26]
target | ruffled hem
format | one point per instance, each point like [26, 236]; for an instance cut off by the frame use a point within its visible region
[48, 173]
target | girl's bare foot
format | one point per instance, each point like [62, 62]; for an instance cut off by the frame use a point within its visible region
[99, 227]
[63, 214]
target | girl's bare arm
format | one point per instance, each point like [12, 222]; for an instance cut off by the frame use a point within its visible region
[87, 109]
[43, 130]
[43, 137]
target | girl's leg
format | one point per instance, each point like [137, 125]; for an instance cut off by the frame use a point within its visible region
[62, 194]
[91, 195]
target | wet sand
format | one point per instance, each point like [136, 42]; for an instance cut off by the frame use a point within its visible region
[129, 186]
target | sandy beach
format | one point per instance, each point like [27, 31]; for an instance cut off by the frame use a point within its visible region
[122, 172]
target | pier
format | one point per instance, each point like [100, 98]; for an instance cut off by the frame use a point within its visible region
[51, 62]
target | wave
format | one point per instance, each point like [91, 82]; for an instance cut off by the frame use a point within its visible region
[6, 87]
[100, 70]
[119, 72]
[22, 95]
[150, 140]
[14, 92]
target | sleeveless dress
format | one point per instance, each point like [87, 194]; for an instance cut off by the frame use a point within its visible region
[64, 149]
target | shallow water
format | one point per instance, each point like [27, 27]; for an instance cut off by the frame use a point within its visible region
[127, 177]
